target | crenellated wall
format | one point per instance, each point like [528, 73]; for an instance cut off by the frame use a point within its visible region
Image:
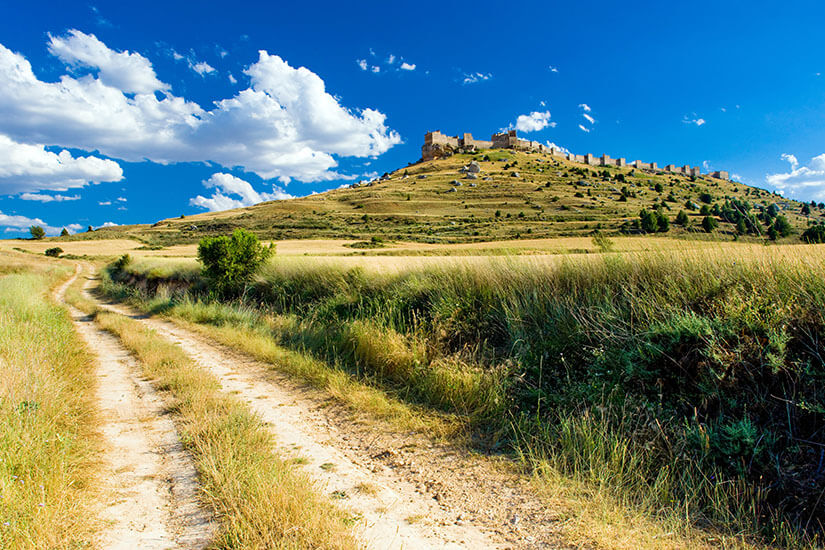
[436, 144]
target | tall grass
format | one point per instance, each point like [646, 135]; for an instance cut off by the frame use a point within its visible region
[692, 383]
[48, 442]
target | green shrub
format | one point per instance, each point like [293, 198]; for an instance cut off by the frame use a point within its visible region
[54, 252]
[709, 223]
[814, 234]
[682, 218]
[230, 262]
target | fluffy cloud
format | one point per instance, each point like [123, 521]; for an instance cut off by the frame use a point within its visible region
[129, 72]
[472, 78]
[551, 145]
[801, 182]
[227, 185]
[13, 223]
[362, 63]
[589, 118]
[534, 121]
[585, 107]
[584, 129]
[48, 198]
[25, 168]
[285, 125]
[553, 69]
[407, 66]
[202, 68]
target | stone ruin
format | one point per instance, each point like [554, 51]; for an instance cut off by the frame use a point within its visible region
[438, 145]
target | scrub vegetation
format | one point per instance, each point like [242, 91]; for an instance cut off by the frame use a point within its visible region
[689, 385]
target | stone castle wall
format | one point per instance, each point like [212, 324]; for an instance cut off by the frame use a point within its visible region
[437, 144]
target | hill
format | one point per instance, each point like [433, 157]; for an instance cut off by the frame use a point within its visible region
[514, 195]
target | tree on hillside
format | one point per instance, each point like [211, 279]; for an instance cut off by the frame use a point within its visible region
[806, 210]
[662, 222]
[37, 232]
[782, 226]
[648, 220]
[64, 233]
[709, 223]
[682, 218]
[814, 234]
[230, 262]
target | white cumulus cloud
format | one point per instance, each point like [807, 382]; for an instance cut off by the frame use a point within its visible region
[551, 145]
[128, 72]
[226, 186]
[363, 64]
[285, 125]
[26, 168]
[535, 121]
[407, 66]
[48, 198]
[804, 182]
[585, 107]
[202, 68]
[14, 223]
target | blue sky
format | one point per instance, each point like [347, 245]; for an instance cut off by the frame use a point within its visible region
[132, 112]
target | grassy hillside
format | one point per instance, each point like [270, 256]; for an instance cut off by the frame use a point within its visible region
[516, 195]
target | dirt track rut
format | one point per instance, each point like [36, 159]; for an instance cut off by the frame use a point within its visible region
[150, 483]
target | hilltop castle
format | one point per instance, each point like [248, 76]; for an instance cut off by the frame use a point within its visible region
[438, 145]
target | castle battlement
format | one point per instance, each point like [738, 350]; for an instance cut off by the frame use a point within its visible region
[437, 145]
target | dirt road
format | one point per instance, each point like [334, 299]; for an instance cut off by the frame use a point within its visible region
[409, 492]
[149, 481]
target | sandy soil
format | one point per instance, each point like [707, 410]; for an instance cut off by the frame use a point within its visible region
[410, 492]
[150, 483]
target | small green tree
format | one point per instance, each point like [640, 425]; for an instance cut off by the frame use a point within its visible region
[37, 232]
[649, 221]
[783, 226]
[814, 234]
[682, 218]
[64, 233]
[662, 222]
[54, 252]
[229, 262]
[709, 223]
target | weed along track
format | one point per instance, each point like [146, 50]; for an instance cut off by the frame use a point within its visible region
[150, 482]
[400, 490]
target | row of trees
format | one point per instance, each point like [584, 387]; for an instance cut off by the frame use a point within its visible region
[38, 232]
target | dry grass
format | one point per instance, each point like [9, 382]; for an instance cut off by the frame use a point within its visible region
[48, 441]
[340, 385]
[260, 500]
